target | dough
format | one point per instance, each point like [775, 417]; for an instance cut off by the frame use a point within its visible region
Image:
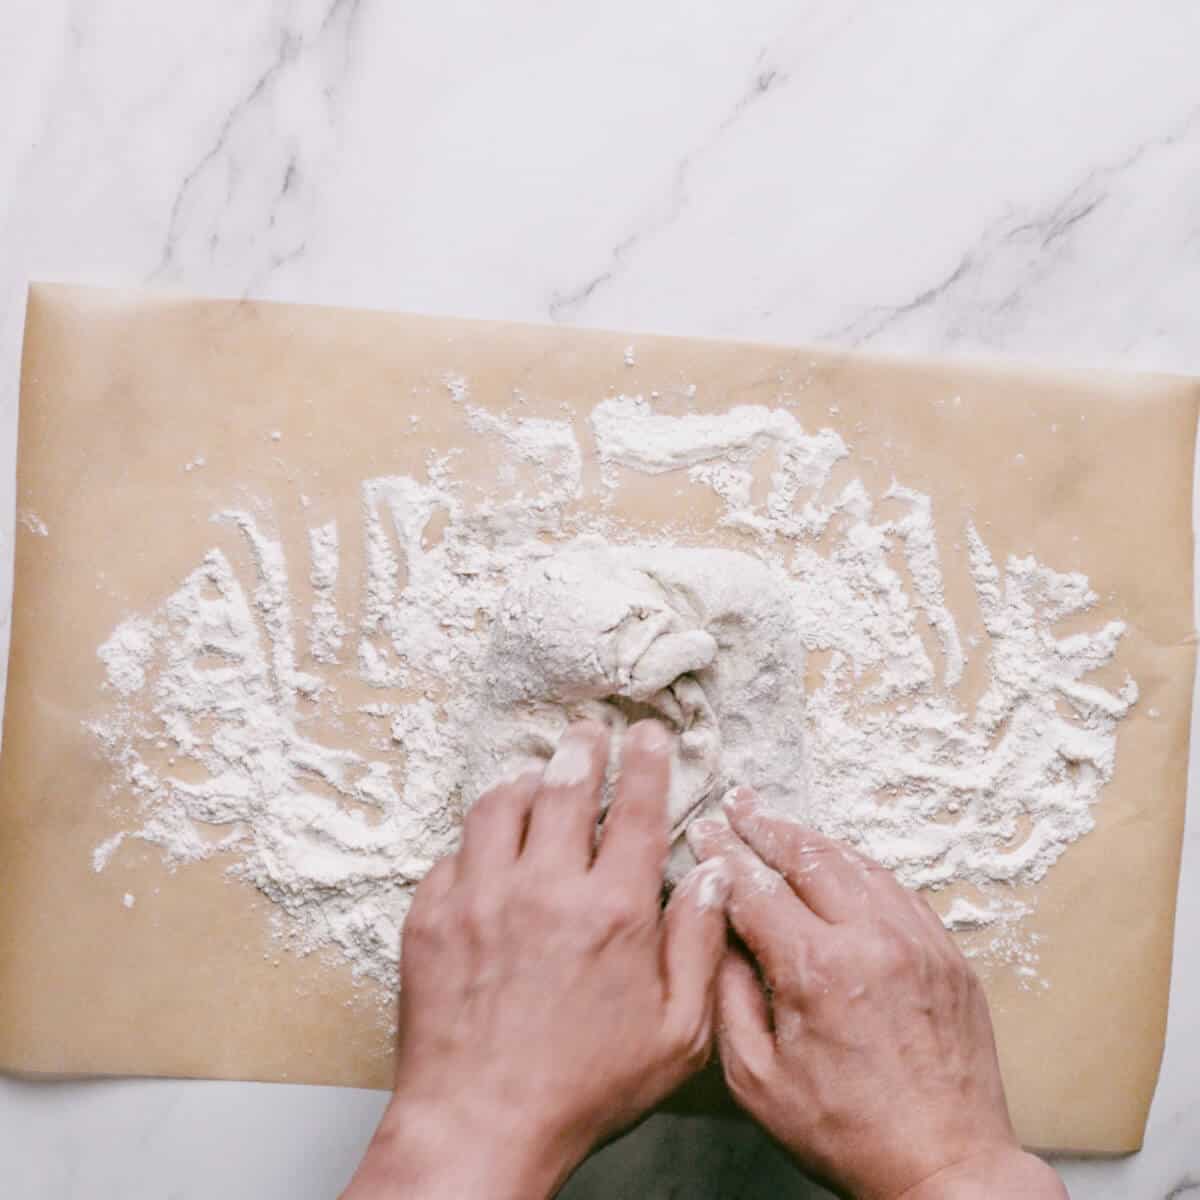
[703, 639]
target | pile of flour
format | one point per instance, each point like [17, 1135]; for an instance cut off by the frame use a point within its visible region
[226, 719]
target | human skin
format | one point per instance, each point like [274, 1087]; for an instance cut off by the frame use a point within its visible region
[852, 1028]
[549, 1002]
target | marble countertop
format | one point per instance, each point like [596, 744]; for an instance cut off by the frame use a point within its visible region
[1019, 179]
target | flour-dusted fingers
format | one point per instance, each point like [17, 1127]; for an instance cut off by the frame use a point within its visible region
[562, 822]
[495, 825]
[832, 881]
[745, 1042]
[766, 914]
[634, 847]
[692, 948]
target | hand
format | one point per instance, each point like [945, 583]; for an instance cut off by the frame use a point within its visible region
[546, 1000]
[854, 1030]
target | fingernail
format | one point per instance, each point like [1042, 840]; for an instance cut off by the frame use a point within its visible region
[571, 764]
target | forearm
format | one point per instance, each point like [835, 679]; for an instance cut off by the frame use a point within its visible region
[984, 1177]
[419, 1154]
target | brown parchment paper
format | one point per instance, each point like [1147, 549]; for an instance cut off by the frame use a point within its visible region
[1089, 471]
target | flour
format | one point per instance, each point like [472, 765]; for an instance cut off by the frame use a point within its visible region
[126, 655]
[548, 444]
[711, 882]
[325, 629]
[818, 662]
[32, 522]
[319, 830]
[105, 850]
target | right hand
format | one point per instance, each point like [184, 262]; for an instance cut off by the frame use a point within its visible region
[858, 1036]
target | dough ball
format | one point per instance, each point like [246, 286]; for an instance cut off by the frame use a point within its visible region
[702, 639]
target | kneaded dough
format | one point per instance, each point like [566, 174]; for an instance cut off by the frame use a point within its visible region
[703, 639]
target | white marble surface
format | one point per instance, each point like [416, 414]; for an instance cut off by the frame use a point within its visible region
[1019, 179]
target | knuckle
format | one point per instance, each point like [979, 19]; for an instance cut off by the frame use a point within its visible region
[542, 904]
[481, 913]
[614, 915]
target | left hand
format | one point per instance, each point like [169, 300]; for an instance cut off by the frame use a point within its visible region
[547, 1001]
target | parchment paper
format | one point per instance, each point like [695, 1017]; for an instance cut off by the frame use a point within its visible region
[119, 391]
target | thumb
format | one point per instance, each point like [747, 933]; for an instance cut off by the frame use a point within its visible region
[693, 946]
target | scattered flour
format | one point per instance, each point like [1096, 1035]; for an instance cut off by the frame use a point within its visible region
[32, 522]
[819, 662]
[126, 654]
[105, 850]
[547, 444]
[965, 915]
[325, 629]
[456, 385]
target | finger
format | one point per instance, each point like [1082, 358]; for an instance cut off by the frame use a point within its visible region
[635, 842]
[765, 913]
[745, 1041]
[825, 875]
[562, 822]
[495, 825]
[693, 945]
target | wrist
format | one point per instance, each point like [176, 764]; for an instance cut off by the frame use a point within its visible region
[436, 1153]
[1005, 1172]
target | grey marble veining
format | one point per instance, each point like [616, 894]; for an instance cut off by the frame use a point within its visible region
[1019, 179]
